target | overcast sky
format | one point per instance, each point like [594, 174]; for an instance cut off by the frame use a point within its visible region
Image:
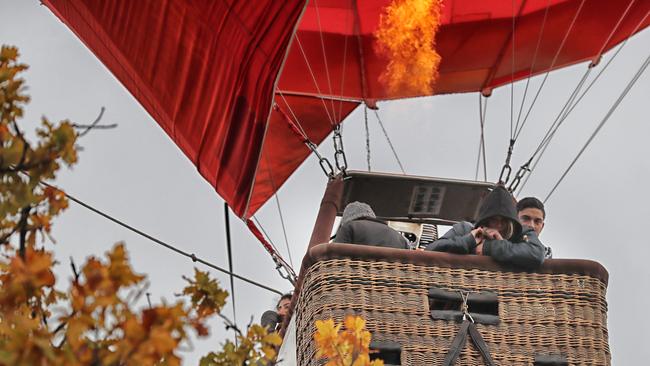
[136, 173]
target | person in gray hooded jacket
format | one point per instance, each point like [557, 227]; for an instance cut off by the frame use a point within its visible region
[497, 233]
[359, 225]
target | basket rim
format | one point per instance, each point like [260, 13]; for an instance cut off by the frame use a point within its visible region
[327, 251]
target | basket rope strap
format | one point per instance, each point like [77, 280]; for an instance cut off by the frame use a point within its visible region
[458, 344]
[459, 341]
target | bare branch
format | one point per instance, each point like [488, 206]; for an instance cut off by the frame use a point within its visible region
[74, 270]
[94, 125]
[230, 324]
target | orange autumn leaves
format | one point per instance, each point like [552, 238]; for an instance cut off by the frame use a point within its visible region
[100, 319]
[26, 207]
[347, 347]
[406, 38]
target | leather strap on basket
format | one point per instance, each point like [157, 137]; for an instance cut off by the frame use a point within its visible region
[458, 344]
[459, 341]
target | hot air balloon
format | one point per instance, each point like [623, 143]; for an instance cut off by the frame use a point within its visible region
[247, 90]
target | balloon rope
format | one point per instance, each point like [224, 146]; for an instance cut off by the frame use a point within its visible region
[593, 81]
[399, 162]
[602, 123]
[482, 109]
[557, 54]
[322, 44]
[191, 256]
[313, 77]
[532, 65]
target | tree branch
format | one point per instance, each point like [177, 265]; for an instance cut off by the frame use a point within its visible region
[22, 225]
[94, 125]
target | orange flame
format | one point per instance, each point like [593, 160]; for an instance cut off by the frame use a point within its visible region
[406, 36]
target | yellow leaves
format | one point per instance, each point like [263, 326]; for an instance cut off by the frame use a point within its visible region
[119, 269]
[344, 348]
[23, 279]
[256, 347]
[327, 338]
[8, 53]
[206, 295]
[96, 321]
[406, 37]
[56, 199]
[24, 205]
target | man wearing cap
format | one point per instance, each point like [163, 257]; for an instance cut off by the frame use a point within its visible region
[497, 233]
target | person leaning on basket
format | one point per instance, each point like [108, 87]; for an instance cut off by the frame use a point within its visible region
[497, 233]
[359, 225]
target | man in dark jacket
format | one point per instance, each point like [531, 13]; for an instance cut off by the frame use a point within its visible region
[497, 233]
[531, 212]
[359, 225]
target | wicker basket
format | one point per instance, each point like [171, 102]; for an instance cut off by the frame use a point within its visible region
[559, 310]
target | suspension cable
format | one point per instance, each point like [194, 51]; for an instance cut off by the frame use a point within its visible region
[557, 54]
[266, 235]
[277, 202]
[295, 126]
[568, 106]
[226, 215]
[345, 58]
[582, 95]
[381, 124]
[313, 77]
[191, 256]
[602, 123]
[365, 123]
[532, 65]
[512, 71]
[322, 44]
[482, 109]
[280, 264]
[524, 169]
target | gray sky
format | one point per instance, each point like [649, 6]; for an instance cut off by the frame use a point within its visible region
[136, 173]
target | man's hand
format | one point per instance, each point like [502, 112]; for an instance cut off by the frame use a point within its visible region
[478, 235]
[479, 249]
[492, 234]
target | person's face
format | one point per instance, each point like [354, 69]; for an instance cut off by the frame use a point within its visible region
[533, 217]
[498, 223]
[283, 307]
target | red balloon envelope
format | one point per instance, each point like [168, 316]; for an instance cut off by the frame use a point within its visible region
[210, 72]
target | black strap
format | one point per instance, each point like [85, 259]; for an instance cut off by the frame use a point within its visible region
[458, 344]
[479, 343]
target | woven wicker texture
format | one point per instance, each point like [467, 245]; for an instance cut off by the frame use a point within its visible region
[556, 314]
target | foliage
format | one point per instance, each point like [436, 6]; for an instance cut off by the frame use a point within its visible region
[348, 347]
[96, 321]
[26, 207]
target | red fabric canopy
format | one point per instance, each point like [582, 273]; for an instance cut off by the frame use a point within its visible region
[207, 70]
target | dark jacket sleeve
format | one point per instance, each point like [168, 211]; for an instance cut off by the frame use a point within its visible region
[458, 240]
[344, 234]
[526, 251]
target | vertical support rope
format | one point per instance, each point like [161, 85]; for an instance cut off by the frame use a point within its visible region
[602, 123]
[390, 144]
[226, 215]
[532, 65]
[512, 73]
[557, 54]
[322, 43]
[365, 121]
[482, 109]
[577, 101]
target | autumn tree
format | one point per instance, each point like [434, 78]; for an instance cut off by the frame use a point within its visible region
[96, 321]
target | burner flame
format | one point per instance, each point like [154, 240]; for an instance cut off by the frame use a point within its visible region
[406, 37]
